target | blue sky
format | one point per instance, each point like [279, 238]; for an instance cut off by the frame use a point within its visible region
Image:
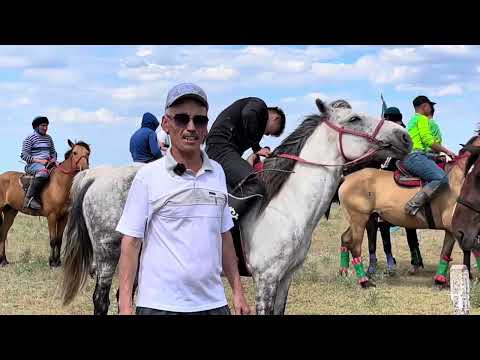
[99, 93]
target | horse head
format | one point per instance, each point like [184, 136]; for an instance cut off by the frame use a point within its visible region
[79, 155]
[360, 133]
[466, 216]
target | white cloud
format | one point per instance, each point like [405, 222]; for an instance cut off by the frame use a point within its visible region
[450, 49]
[55, 76]
[144, 50]
[155, 90]
[289, 99]
[22, 101]
[152, 72]
[76, 115]
[216, 73]
[14, 61]
[448, 90]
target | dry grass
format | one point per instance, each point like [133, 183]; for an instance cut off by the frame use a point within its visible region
[29, 286]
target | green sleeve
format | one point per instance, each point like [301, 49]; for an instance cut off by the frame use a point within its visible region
[424, 131]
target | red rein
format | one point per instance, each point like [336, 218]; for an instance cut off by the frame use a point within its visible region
[341, 130]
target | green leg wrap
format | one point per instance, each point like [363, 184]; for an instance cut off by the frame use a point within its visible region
[344, 258]
[359, 270]
[442, 268]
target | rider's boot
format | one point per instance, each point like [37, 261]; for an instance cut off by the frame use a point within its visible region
[422, 197]
[32, 198]
[251, 193]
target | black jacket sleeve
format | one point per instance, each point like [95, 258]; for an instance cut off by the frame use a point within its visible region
[254, 118]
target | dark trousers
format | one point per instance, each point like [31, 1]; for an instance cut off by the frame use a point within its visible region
[224, 310]
[235, 167]
[237, 170]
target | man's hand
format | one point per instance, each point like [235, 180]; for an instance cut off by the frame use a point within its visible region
[240, 305]
[264, 152]
[451, 154]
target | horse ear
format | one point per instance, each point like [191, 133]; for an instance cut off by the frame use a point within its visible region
[321, 106]
[70, 143]
[472, 149]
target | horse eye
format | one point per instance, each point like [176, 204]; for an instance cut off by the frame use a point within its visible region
[74, 153]
[354, 119]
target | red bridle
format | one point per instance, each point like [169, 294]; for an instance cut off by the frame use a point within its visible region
[342, 130]
[73, 167]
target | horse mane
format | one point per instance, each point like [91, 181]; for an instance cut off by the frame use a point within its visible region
[473, 157]
[277, 169]
[79, 143]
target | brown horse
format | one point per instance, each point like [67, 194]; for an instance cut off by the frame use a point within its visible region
[375, 191]
[54, 199]
[466, 216]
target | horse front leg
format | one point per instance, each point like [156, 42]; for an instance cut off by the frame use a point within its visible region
[440, 278]
[266, 285]
[346, 243]
[53, 260]
[371, 227]
[466, 261]
[358, 228]
[9, 214]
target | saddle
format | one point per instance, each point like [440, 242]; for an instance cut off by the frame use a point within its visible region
[404, 179]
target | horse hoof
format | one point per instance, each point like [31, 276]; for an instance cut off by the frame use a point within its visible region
[413, 270]
[441, 286]
[371, 270]
[4, 262]
[343, 272]
[440, 282]
[365, 284]
[391, 272]
[54, 263]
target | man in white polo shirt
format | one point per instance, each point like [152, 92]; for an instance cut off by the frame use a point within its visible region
[178, 206]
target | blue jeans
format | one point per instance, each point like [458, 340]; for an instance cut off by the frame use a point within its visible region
[419, 164]
[36, 169]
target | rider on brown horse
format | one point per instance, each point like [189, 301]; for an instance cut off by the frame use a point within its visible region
[38, 151]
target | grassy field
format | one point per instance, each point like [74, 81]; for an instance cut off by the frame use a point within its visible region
[29, 286]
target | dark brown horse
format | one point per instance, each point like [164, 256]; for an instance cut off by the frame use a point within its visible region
[466, 216]
[54, 199]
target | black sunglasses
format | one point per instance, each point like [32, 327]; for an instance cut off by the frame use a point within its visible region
[182, 120]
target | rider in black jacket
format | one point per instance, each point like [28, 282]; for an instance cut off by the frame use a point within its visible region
[239, 127]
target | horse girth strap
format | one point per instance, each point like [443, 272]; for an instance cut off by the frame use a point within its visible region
[468, 205]
[429, 216]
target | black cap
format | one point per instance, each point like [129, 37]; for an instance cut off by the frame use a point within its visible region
[422, 99]
[392, 111]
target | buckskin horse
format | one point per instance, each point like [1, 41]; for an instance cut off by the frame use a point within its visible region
[375, 191]
[54, 199]
[276, 232]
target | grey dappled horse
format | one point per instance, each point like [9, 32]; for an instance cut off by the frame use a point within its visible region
[276, 233]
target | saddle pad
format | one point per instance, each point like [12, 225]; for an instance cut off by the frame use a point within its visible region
[406, 180]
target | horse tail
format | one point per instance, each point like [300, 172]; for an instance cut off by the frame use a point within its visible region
[78, 251]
